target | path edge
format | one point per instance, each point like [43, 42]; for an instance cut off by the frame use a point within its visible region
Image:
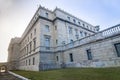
[19, 76]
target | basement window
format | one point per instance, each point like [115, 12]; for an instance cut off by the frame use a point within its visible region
[117, 47]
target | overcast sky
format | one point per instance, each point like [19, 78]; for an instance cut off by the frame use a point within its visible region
[16, 14]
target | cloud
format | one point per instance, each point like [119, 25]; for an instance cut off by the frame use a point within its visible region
[14, 18]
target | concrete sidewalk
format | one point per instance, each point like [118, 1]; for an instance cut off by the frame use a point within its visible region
[7, 76]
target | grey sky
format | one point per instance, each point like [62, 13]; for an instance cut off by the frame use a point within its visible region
[16, 14]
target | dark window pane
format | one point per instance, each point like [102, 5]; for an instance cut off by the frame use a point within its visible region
[71, 57]
[117, 47]
[89, 54]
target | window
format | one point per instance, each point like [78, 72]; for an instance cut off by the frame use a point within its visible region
[27, 49]
[83, 25]
[28, 39]
[47, 28]
[71, 57]
[90, 28]
[74, 20]
[87, 27]
[81, 33]
[46, 15]
[26, 62]
[55, 27]
[33, 61]
[47, 42]
[76, 31]
[63, 42]
[34, 44]
[30, 46]
[31, 36]
[79, 23]
[89, 55]
[34, 31]
[29, 61]
[55, 14]
[68, 18]
[70, 30]
[57, 58]
[85, 33]
[117, 47]
[71, 41]
[56, 41]
[77, 36]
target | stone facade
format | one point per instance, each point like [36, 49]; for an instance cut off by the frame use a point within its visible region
[14, 53]
[57, 39]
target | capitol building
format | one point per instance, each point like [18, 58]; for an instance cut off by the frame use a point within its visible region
[56, 39]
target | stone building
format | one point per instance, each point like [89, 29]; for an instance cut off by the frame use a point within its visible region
[14, 53]
[57, 39]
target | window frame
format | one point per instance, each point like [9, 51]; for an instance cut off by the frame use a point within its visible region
[46, 14]
[71, 57]
[89, 54]
[47, 28]
[117, 52]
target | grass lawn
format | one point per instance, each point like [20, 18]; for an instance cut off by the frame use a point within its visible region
[74, 74]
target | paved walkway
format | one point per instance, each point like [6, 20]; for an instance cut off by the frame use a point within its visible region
[7, 76]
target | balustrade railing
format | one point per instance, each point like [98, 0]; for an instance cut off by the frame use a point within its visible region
[100, 35]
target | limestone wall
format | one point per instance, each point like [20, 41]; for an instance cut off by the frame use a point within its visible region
[103, 54]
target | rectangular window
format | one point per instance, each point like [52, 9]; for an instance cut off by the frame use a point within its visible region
[47, 28]
[76, 31]
[71, 57]
[28, 39]
[85, 33]
[26, 62]
[31, 35]
[87, 27]
[47, 42]
[55, 27]
[34, 31]
[46, 15]
[74, 20]
[79, 23]
[117, 47]
[83, 25]
[77, 36]
[70, 30]
[27, 50]
[30, 47]
[68, 18]
[89, 55]
[63, 42]
[33, 61]
[29, 61]
[34, 44]
[57, 58]
[81, 33]
[90, 28]
[56, 41]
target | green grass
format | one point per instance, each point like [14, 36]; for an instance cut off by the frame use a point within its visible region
[74, 74]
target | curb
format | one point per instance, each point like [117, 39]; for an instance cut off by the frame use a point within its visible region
[19, 76]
